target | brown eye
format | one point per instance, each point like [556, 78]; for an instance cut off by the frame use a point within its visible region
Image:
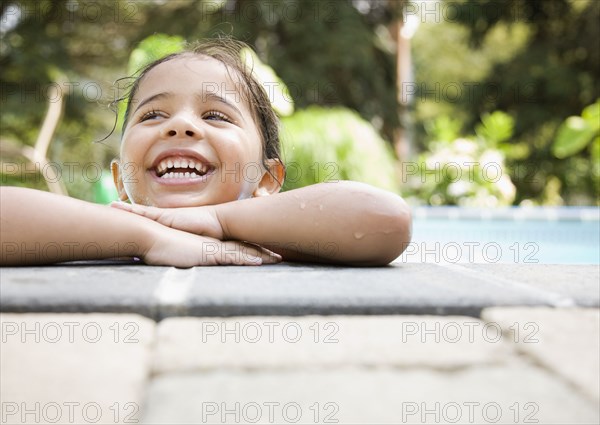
[150, 115]
[216, 116]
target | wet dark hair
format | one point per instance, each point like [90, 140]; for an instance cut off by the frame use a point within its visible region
[228, 52]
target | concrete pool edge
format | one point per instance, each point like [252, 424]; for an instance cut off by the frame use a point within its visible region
[509, 213]
[296, 290]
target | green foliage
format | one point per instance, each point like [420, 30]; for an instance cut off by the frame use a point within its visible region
[153, 48]
[577, 145]
[46, 40]
[535, 59]
[466, 171]
[577, 132]
[443, 128]
[552, 76]
[328, 144]
[496, 127]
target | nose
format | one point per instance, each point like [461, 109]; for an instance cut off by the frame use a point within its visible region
[181, 126]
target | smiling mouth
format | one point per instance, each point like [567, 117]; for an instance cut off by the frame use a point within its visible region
[182, 168]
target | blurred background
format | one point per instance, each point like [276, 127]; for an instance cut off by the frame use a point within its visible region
[475, 103]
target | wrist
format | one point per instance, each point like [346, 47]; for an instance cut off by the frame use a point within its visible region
[144, 232]
[220, 214]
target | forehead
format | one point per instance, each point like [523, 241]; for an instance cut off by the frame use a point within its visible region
[192, 74]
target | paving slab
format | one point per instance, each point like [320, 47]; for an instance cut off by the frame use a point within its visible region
[580, 283]
[80, 287]
[73, 368]
[263, 342]
[566, 341]
[283, 289]
[515, 393]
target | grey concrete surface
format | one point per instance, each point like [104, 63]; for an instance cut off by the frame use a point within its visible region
[80, 287]
[580, 283]
[248, 344]
[292, 289]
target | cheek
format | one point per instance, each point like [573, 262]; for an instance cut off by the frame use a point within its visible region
[132, 186]
[132, 159]
[241, 166]
[133, 172]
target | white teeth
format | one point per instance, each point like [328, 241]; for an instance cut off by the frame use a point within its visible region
[173, 175]
[190, 163]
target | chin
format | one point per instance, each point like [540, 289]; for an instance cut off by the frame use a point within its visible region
[182, 201]
[178, 202]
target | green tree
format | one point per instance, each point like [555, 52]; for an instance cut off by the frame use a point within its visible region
[327, 52]
[554, 76]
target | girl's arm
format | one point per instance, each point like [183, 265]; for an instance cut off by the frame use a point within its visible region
[342, 222]
[40, 228]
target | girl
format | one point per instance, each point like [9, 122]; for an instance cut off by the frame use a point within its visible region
[199, 164]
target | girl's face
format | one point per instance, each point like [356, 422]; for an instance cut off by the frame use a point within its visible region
[190, 139]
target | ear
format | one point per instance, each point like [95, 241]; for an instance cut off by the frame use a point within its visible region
[115, 168]
[272, 179]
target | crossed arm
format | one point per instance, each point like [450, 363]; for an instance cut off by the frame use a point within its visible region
[343, 223]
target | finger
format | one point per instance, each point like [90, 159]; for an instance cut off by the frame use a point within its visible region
[121, 205]
[236, 254]
[148, 212]
[268, 256]
[243, 253]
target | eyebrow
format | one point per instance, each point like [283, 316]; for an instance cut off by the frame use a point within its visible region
[201, 96]
[151, 98]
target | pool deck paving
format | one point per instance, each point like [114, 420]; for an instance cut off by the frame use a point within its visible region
[411, 343]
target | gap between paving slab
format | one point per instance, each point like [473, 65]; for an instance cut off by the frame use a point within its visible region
[352, 395]
[251, 343]
[380, 371]
[384, 369]
[564, 341]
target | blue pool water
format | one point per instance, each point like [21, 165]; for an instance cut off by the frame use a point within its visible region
[512, 235]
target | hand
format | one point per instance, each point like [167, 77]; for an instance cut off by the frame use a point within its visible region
[199, 220]
[170, 247]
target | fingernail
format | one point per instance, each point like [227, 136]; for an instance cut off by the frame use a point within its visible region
[274, 258]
